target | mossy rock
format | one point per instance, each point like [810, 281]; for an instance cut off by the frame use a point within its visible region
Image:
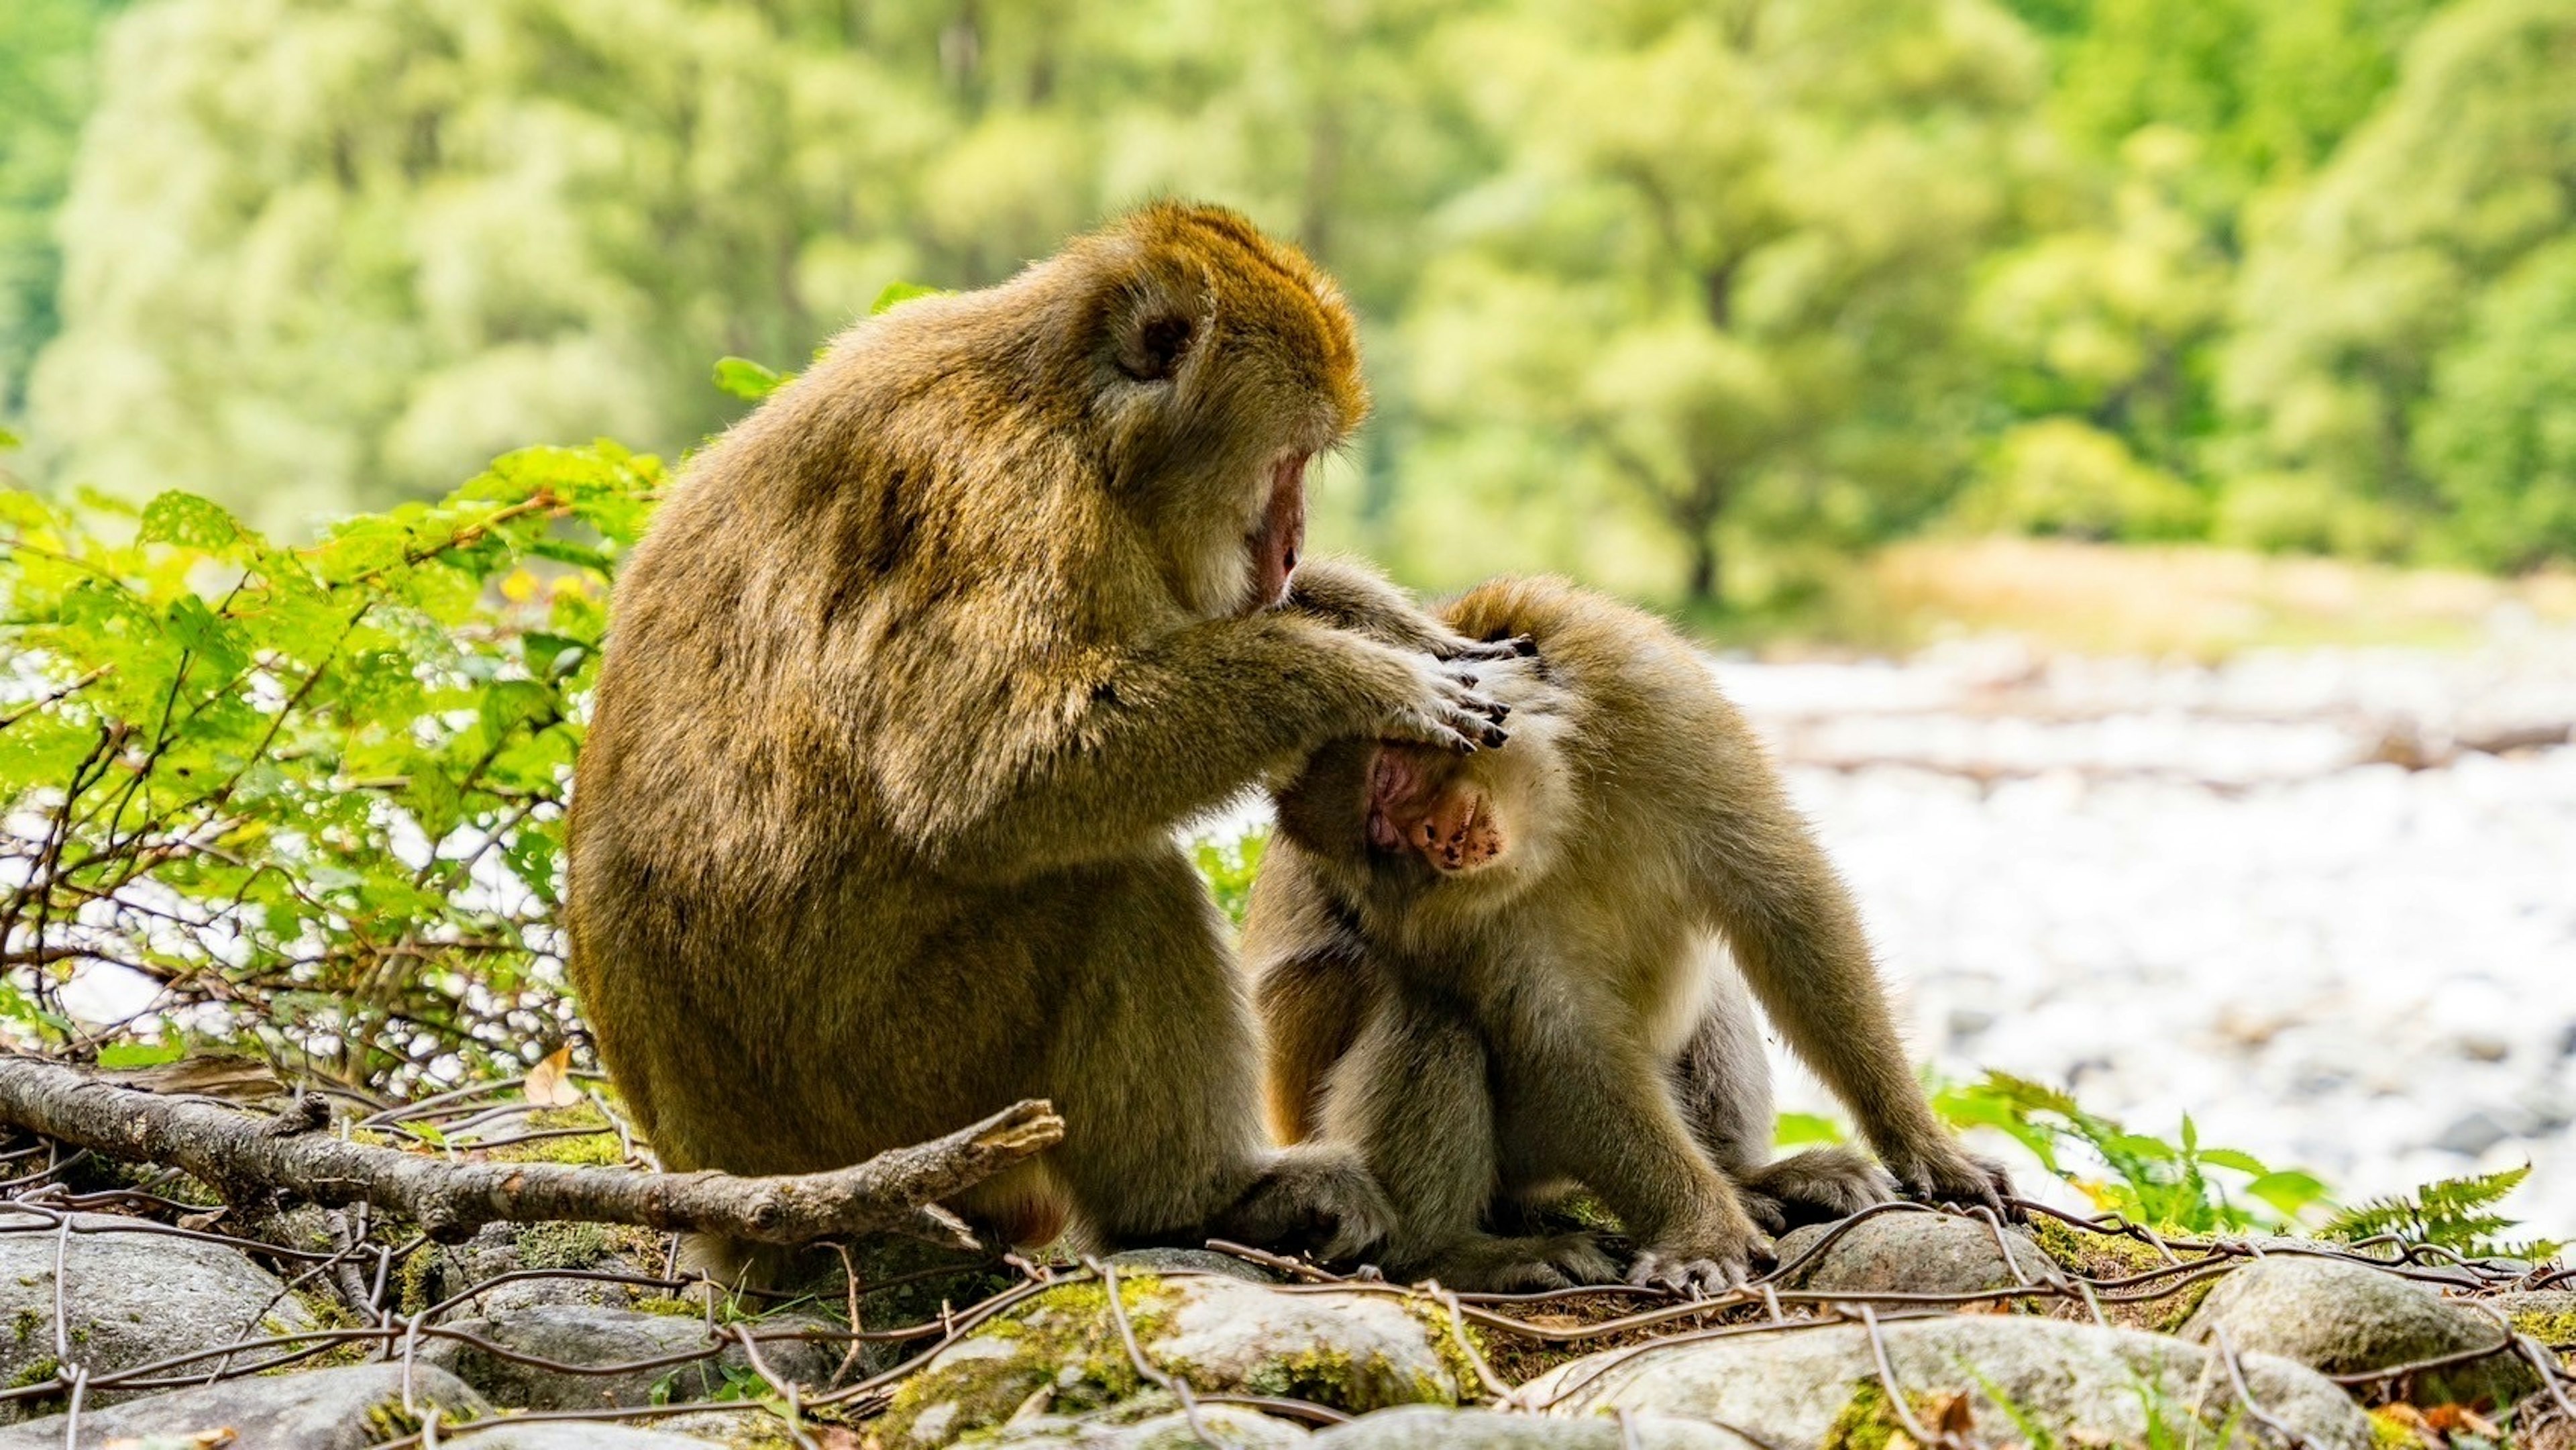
[2343, 1318]
[1061, 1354]
[2016, 1377]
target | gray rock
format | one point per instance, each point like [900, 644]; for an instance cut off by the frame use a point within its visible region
[1914, 1253]
[501, 1249]
[133, 1296]
[2082, 1384]
[2472, 1134]
[1197, 1261]
[1170, 1430]
[322, 1409]
[588, 1334]
[740, 1427]
[562, 1435]
[1061, 1355]
[2347, 1318]
[1424, 1427]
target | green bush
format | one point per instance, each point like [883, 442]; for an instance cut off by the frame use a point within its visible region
[311, 795]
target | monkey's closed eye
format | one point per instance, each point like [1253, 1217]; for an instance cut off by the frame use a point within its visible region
[1155, 352]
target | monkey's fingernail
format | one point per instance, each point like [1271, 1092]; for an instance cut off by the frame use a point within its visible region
[1500, 711]
[1494, 735]
[1523, 644]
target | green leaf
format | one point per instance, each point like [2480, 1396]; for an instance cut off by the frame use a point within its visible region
[2231, 1158]
[2290, 1191]
[8, 439]
[898, 293]
[141, 1054]
[188, 521]
[207, 637]
[749, 380]
[1799, 1130]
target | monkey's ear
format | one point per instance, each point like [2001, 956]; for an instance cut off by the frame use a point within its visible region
[1152, 340]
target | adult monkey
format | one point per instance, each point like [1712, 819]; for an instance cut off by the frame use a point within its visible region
[907, 688]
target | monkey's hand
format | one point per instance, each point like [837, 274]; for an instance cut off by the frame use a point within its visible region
[1940, 1171]
[1443, 708]
[1460, 647]
[1711, 1259]
[1312, 1196]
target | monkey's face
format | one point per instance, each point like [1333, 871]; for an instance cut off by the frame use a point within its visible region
[1420, 801]
[1223, 363]
[1399, 824]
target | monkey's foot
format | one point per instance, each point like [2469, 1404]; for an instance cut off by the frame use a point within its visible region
[1491, 1264]
[1947, 1173]
[1816, 1186]
[1312, 1197]
[1711, 1261]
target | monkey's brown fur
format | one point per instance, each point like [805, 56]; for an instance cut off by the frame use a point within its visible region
[1497, 974]
[907, 688]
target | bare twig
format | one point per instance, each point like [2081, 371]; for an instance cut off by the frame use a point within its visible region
[894, 1191]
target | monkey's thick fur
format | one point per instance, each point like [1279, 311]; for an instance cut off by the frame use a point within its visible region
[1500, 974]
[904, 693]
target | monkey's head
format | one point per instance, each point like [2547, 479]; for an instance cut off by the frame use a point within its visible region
[1398, 823]
[1219, 363]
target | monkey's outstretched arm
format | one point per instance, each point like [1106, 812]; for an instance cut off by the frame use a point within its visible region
[1795, 932]
[1049, 770]
[1350, 595]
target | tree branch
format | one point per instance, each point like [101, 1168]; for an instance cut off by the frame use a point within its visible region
[239, 1154]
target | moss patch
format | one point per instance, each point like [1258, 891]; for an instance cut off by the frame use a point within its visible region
[1437, 1323]
[598, 1146]
[1062, 1341]
[2550, 1327]
[1865, 1421]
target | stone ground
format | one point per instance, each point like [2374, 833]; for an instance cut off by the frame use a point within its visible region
[2191, 889]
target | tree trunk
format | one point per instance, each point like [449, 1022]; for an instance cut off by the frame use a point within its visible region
[1704, 578]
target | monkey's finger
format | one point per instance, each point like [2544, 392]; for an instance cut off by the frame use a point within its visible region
[1519, 646]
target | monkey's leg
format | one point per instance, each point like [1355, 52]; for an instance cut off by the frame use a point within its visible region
[1413, 1096]
[1797, 936]
[1311, 1010]
[1583, 1104]
[1153, 1070]
[1724, 1078]
[1724, 1082]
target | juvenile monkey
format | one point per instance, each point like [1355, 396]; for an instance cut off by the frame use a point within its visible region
[1497, 975]
[904, 692]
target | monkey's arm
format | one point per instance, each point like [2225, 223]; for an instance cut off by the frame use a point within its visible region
[1349, 595]
[1594, 1105]
[1057, 763]
[1793, 929]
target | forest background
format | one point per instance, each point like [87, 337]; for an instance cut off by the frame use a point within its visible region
[1696, 301]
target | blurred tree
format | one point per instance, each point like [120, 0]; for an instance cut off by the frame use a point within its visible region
[2373, 290]
[415, 233]
[46, 53]
[1723, 262]
[2269, 86]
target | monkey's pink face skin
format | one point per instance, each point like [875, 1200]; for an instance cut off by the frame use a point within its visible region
[1418, 802]
[1280, 538]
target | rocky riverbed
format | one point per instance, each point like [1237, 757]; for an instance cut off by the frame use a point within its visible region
[2324, 901]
